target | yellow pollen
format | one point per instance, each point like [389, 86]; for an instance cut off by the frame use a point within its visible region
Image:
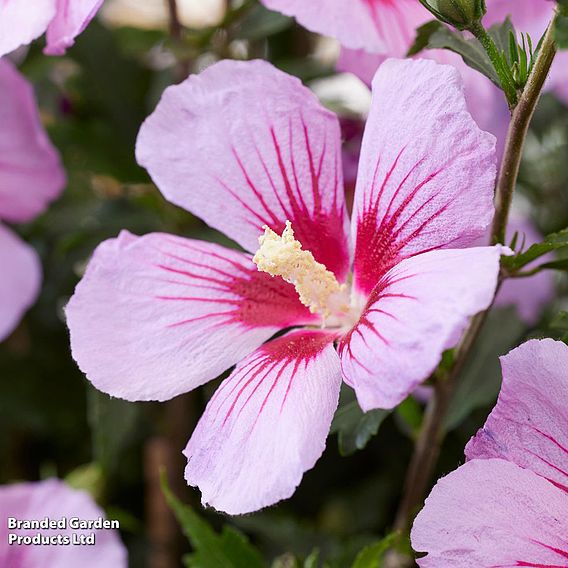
[283, 256]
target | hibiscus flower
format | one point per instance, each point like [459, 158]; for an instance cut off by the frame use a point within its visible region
[30, 177]
[508, 505]
[61, 20]
[252, 152]
[54, 500]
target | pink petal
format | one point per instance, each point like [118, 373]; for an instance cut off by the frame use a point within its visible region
[427, 173]
[31, 175]
[493, 514]
[558, 78]
[528, 295]
[20, 25]
[71, 19]
[530, 16]
[20, 280]
[485, 101]
[157, 316]
[417, 311]
[528, 425]
[381, 26]
[55, 500]
[266, 424]
[244, 145]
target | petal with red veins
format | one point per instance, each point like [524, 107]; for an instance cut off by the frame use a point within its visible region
[417, 311]
[493, 514]
[71, 19]
[19, 280]
[380, 26]
[20, 25]
[267, 424]
[243, 145]
[159, 315]
[528, 424]
[31, 175]
[55, 500]
[426, 174]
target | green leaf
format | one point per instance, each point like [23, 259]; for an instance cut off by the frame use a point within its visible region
[230, 549]
[435, 35]
[423, 35]
[372, 555]
[354, 427]
[561, 264]
[481, 379]
[552, 242]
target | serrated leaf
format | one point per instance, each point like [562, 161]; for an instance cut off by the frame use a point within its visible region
[552, 242]
[372, 555]
[354, 427]
[230, 549]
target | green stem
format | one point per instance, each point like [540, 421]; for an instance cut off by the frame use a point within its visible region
[503, 72]
[432, 432]
[518, 128]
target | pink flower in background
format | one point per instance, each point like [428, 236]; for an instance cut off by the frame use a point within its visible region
[377, 26]
[246, 147]
[55, 500]
[508, 505]
[30, 177]
[61, 20]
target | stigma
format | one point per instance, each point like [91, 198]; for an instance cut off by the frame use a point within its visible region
[317, 287]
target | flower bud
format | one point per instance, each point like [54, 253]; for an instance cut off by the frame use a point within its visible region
[462, 14]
